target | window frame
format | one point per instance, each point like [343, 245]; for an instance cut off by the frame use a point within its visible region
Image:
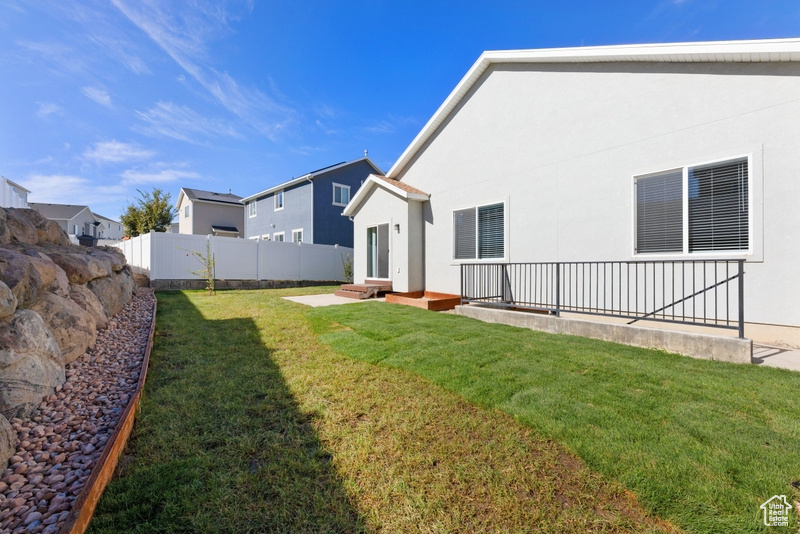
[279, 195]
[343, 188]
[252, 209]
[186, 211]
[685, 253]
[477, 259]
[282, 236]
[295, 232]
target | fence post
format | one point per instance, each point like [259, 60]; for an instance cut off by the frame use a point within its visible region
[558, 288]
[741, 299]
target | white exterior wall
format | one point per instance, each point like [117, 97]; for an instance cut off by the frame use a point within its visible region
[12, 196]
[560, 144]
[185, 224]
[405, 247]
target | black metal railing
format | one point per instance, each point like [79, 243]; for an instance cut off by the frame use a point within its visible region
[696, 292]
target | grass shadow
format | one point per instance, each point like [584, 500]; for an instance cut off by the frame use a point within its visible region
[221, 444]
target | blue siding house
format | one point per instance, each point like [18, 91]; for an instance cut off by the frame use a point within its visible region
[308, 208]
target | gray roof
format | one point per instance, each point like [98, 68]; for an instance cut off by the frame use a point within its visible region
[58, 212]
[210, 196]
[97, 215]
[311, 175]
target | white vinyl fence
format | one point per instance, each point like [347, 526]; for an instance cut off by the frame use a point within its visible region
[167, 256]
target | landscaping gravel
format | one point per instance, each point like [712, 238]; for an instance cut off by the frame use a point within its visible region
[65, 436]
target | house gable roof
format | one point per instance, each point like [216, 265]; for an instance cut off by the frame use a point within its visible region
[98, 216]
[770, 50]
[310, 176]
[196, 195]
[59, 212]
[397, 187]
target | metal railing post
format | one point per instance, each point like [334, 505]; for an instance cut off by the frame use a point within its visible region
[741, 299]
[558, 289]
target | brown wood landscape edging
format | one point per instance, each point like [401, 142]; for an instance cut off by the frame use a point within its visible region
[83, 510]
[427, 300]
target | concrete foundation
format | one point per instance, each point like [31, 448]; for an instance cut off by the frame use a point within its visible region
[704, 346]
[178, 285]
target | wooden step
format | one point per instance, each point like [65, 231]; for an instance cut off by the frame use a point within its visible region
[351, 294]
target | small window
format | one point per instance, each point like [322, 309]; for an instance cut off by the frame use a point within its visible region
[341, 195]
[278, 236]
[265, 237]
[297, 236]
[251, 208]
[479, 233]
[279, 200]
[186, 212]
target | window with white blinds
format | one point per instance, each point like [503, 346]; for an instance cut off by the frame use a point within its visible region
[479, 233]
[659, 213]
[695, 209]
[719, 203]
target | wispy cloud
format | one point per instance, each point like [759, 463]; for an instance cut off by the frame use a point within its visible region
[62, 56]
[136, 177]
[46, 109]
[180, 122]
[121, 51]
[389, 125]
[183, 33]
[98, 95]
[116, 152]
[71, 189]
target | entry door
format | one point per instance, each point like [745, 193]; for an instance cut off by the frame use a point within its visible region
[378, 251]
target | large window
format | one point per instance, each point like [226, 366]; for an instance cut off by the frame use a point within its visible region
[479, 233]
[341, 194]
[705, 208]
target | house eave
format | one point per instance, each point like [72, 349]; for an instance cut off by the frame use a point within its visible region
[754, 51]
[372, 182]
[306, 177]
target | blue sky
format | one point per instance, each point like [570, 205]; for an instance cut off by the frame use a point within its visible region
[101, 98]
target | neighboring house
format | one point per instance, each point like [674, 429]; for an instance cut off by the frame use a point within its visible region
[205, 212]
[12, 195]
[109, 228]
[308, 208]
[602, 153]
[73, 219]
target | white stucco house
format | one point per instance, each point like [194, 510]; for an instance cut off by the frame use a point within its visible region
[635, 153]
[12, 195]
[109, 228]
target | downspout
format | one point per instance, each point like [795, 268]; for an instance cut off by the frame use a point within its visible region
[311, 181]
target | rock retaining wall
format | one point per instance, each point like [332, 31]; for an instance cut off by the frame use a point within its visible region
[54, 296]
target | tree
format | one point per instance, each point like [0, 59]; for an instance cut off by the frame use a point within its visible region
[153, 211]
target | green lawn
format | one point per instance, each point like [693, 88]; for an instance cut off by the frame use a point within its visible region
[249, 423]
[701, 444]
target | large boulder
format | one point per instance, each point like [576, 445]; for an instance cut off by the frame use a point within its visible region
[111, 257]
[8, 302]
[31, 364]
[8, 442]
[114, 291]
[5, 232]
[47, 231]
[18, 273]
[73, 327]
[22, 230]
[83, 297]
[81, 268]
[52, 276]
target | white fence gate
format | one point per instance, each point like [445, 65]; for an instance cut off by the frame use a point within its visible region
[167, 256]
